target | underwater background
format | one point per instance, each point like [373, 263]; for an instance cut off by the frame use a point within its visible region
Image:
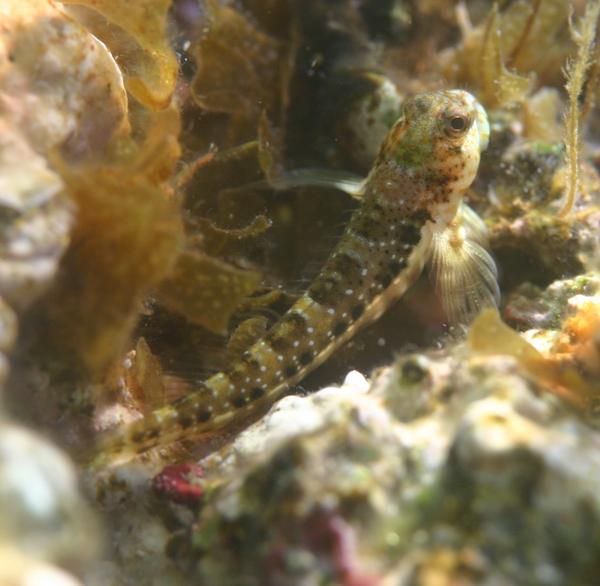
[174, 176]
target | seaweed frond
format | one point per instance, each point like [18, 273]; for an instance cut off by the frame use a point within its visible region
[500, 85]
[511, 52]
[576, 72]
[136, 32]
[524, 36]
[592, 85]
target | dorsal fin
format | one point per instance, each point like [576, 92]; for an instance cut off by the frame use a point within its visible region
[312, 177]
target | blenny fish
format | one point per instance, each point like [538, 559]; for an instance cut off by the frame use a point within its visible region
[411, 213]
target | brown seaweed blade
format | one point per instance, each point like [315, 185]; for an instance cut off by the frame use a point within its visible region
[139, 38]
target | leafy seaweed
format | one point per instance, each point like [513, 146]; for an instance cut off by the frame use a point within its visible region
[510, 51]
[576, 70]
[127, 236]
[557, 373]
[136, 32]
[239, 67]
[206, 290]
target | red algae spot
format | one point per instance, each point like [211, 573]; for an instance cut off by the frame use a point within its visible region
[334, 536]
[345, 555]
[178, 483]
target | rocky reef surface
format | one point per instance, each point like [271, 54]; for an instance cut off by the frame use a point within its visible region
[449, 467]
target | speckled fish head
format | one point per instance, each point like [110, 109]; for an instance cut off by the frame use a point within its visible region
[433, 149]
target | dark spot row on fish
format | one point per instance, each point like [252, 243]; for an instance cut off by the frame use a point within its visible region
[346, 271]
[291, 327]
[193, 409]
[189, 419]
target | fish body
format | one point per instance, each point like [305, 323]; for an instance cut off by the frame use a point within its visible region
[409, 204]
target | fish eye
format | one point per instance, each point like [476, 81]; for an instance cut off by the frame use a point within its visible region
[457, 124]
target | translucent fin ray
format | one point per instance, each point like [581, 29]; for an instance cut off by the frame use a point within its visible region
[464, 273]
[347, 182]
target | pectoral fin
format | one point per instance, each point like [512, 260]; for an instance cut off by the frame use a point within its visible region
[462, 270]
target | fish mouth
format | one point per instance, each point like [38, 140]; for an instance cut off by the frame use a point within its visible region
[483, 127]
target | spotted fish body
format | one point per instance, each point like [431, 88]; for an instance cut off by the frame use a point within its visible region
[428, 160]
